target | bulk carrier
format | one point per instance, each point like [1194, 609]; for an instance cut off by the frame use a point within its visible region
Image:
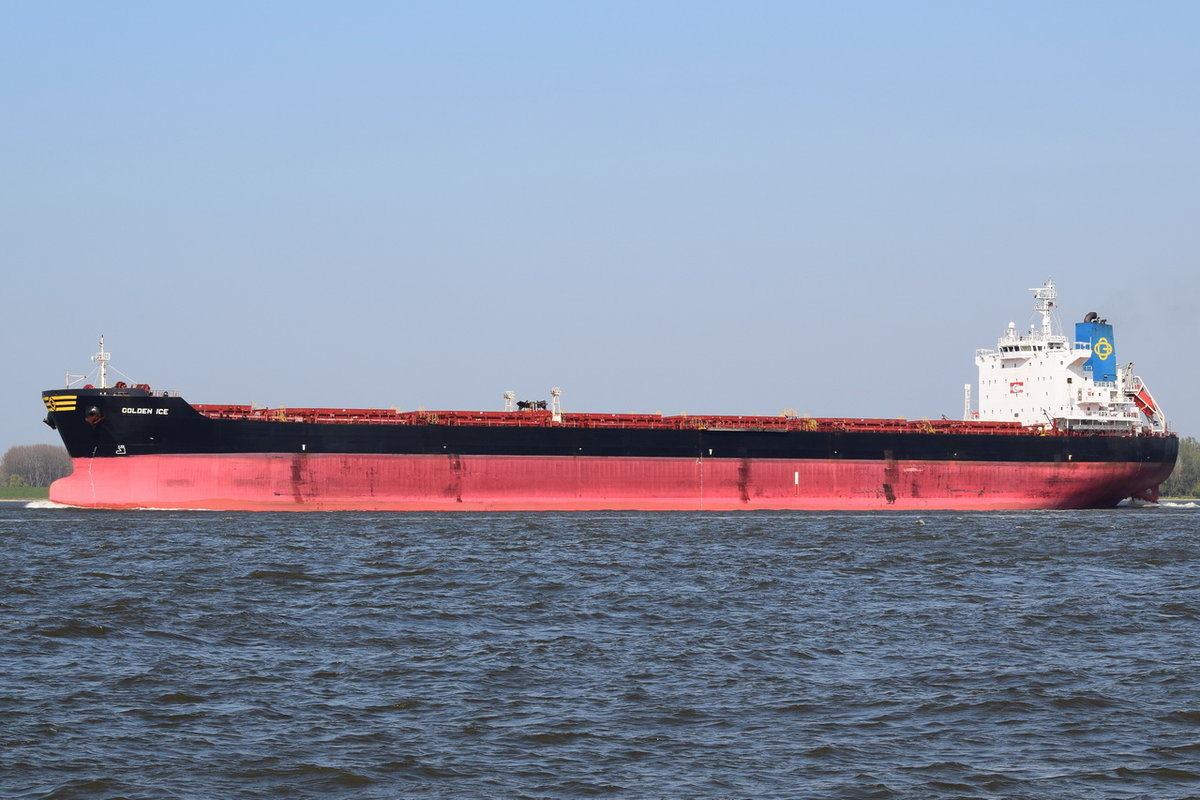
[1058, 425]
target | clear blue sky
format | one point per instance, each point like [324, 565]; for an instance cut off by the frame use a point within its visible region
[694, 207]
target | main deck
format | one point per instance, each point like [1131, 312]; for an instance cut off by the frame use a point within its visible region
[545, 419]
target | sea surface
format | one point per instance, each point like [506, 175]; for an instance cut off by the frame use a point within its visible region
[624, 655]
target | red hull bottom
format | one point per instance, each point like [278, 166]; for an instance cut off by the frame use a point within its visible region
[303, 482]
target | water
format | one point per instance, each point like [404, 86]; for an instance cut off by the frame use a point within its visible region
[935, 655]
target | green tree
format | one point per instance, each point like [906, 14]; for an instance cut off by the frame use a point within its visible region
[1185, 480]
[34, 465]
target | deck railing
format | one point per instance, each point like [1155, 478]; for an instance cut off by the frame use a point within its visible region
[539, 418]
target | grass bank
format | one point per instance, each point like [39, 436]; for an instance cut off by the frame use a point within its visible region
[24, 492]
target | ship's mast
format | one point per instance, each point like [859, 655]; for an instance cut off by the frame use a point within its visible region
[555, 404]
[102, 358]
[1045, 297]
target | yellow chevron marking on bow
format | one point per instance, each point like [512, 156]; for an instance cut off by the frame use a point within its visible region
[60, 402]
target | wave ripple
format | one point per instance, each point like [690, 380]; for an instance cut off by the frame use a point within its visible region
[1017, 655]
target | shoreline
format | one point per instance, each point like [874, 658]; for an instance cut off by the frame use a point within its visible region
[44, 494]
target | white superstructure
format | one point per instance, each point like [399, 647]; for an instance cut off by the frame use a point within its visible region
[1046, 378]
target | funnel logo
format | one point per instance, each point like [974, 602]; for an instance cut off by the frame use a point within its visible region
[1103, 348]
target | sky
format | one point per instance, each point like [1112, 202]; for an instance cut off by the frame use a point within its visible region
[686, 207]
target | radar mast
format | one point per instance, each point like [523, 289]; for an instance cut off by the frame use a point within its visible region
[1045, 297]
[102, 359]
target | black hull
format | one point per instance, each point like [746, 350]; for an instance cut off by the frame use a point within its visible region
[133, 424]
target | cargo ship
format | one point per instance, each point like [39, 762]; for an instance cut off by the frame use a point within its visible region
[1058, 425]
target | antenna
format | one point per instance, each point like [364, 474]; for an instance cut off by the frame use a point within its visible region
[1045, 297]
[102, 359]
